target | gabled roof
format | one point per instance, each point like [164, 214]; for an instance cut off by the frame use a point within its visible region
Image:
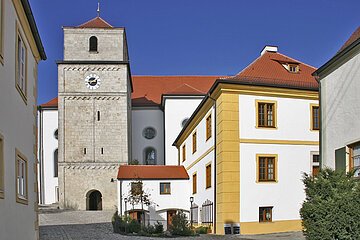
[269, 69]
[53, 103]
[185, 89]
[148, 172]
[153, 87]
[355, 36]
[97, 22]
[346, 51]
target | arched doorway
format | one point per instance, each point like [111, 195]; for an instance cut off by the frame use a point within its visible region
[93, 200]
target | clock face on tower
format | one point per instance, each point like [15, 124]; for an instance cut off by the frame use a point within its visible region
[92, 81]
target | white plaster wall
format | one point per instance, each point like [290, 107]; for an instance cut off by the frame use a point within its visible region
[17, 125]
[50, 144]
[293, 119]
[287, 195]
[199, 167]
[141, 119]
[176, 110]
[179, 199]
[340, 109]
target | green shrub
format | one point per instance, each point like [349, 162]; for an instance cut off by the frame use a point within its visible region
[159, 228]
[133, 227]
[331, 209]
[180, 225]
[202, 230]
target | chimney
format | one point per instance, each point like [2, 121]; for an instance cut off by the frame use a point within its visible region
[269, 48]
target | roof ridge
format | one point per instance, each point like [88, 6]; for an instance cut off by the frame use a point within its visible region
[185, 85]
[248, 66]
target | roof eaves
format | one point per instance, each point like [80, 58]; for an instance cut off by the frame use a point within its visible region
[336, 58]
[34, 29]
[229, 81]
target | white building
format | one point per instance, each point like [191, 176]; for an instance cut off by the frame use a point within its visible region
[20, 52]
[167, 189]
[339, 80]
[160, 104]
[249, 142]
[48, 152]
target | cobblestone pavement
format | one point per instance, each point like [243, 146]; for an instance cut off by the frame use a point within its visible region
[86, 225]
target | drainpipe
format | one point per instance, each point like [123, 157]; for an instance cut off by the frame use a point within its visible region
[214, 214]
[320, 126]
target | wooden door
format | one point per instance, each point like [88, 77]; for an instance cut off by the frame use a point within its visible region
[170, 214]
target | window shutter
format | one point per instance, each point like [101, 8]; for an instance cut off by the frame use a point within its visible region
[340, 159]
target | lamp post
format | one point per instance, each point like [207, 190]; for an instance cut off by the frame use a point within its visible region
[125, 200]
[191, 214]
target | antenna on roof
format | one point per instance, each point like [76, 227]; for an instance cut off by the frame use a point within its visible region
[98, 9]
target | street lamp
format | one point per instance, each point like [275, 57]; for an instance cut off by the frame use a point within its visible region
[191, 214]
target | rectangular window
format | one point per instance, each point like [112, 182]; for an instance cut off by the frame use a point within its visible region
[266, 114]
[208, 176]
[355, 159]
[165, 188]
[315, 117]
[183, 153]
[194, 142]
[21, 179]
[2, 167]
[208, 127]
[194, 183]
[21, 67]
[266, 167]
[265, 214]
[1, 31]
[98, 115]
[293, 68]
[315, 164]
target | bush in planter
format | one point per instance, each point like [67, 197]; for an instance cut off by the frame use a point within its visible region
[116, 222]
[180, 225]
[331, 209]
[159, 228]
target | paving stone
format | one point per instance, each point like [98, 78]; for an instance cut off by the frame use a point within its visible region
[96, 225]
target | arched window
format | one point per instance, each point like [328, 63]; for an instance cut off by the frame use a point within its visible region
[56, 163]
[56, 134]
[93, 46]
[150, 156]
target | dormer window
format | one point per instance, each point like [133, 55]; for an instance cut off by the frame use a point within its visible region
[93, 44]
[293, 68]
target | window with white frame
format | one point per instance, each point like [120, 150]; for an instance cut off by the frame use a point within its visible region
[21, 178]
[355, 158]
[21, 65]
[150, 156]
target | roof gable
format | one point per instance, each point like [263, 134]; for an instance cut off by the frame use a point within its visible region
[97, 22]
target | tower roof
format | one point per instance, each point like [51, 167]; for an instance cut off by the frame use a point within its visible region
[96, 22]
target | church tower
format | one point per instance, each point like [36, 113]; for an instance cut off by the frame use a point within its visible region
[94, 114]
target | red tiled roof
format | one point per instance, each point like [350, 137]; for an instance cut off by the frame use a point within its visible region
[52, 103]
[185, 89]
[151, 172]
[153, 87]
[269, 69]
[355, 36]
[97, 22]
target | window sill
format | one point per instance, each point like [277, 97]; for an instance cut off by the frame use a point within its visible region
[165, 193]
[93, 52]
[265, 127]
[267, 182]
[22, 200]
[22, 94]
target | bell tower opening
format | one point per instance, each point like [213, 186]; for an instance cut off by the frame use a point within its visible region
[94, 201]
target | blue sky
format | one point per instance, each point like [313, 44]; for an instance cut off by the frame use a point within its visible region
[200, 37]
